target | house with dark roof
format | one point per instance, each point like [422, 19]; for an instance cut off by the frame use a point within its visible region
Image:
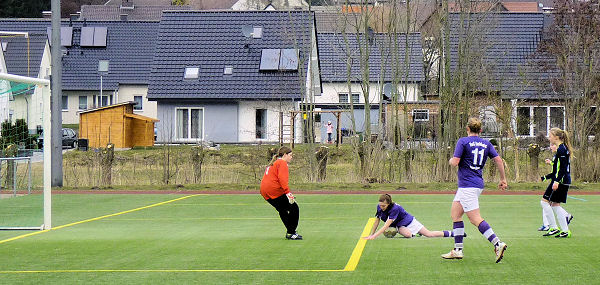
[107, 62]
[125, 48]
[500, 55]
[388, 68]
[25, 52]
[231, 76]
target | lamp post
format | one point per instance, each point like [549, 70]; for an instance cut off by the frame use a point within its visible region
[102, 69]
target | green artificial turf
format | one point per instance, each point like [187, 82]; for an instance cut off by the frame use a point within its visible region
[171, 243]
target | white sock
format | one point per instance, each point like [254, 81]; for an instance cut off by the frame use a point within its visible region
[562, 217]
[547, 209]
[544, 219]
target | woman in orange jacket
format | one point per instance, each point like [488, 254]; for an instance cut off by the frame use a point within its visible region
[275, 189]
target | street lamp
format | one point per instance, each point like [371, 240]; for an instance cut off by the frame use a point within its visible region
[102, 70]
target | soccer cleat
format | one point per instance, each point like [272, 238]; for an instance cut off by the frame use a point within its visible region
[294, 236]
[569, 218]
[453, 254]
[566, 234]
[543, 228]
[499, 249]
[551, 232]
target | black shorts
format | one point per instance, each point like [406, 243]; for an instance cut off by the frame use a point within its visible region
[558, 196]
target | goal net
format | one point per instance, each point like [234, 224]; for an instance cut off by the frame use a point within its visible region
[24, 160]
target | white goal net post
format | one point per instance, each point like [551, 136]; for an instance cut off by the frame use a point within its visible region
[45, 85]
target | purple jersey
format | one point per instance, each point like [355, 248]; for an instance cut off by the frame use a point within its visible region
[395, 212]
[473, 151]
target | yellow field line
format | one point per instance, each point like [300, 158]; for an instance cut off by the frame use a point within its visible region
[169, 270]
[96, 218]
[350, 266]
[225, 219]
[360, 246]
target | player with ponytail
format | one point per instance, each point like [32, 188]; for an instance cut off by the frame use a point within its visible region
[274, 187]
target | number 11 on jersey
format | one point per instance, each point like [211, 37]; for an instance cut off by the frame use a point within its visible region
[478, 153]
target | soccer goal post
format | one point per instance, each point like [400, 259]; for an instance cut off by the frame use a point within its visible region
[38, 89]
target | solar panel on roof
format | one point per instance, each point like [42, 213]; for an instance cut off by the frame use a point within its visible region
[269, 59]
[288, 59]
[87, 37]
[100, 36]
[66, 36]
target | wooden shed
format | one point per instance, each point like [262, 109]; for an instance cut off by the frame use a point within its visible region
[116, 124]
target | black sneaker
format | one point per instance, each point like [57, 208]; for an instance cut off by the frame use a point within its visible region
[566, 234]
[294, 236]
[551, 232]
[569, 218]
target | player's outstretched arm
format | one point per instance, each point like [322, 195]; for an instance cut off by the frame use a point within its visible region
[380, 231]
[500, 165]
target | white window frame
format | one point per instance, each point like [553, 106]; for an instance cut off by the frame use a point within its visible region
[201, 138]
[62, 103]
[532, 115]
[349, 97]
[141, 105]
[420, 110]
[191, 72]
[79, 102]
[266, 123]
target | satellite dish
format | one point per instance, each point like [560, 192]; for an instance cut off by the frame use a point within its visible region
[387, 90]
[247, 31]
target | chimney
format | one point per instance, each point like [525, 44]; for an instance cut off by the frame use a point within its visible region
[47, 14]
[123, 17]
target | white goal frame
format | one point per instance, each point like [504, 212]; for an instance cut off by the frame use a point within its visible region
[47, 192]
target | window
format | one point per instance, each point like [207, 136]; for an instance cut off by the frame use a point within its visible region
[138, 102]
[65, 103]
[420, 115]
[82, 102]
[191, 72]
[261, 122]
[228, 70]
[540, 117]
[189, 123]
[534, 120]
[557, 117]
[523, 121]
[257, 32]
[105, 100]
[343, 98]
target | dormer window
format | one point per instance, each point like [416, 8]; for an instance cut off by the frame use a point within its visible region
[228, 70]
[4, 46]
[191, 72]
